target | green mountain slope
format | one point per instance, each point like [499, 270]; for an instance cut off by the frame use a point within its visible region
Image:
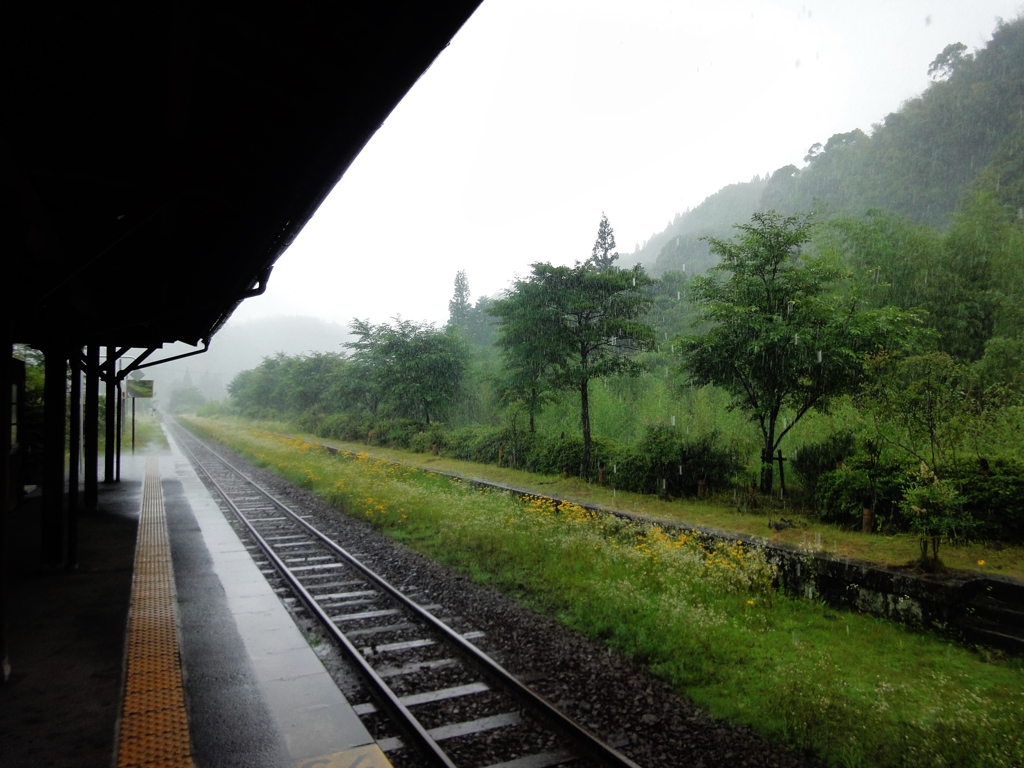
[964, 133]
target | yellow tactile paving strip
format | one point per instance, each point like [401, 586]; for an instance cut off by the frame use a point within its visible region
[154, 729]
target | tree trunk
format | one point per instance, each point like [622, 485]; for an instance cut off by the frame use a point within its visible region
[533, 407]
[585, 424]
[766, 468]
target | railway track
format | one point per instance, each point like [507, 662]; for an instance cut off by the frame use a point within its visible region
[434, 698]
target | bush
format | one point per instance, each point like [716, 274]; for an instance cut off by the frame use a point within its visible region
[549, 455]
[310, 421]
[935, 510]
[663, 462]
[345, 426]
[815, 459]
[213, 408]
[433, 436]
[841, 494]
[995, 501]
[396, 433]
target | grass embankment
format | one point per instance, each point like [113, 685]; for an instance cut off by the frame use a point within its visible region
[148, 435]
[856, 690]
[981, 558]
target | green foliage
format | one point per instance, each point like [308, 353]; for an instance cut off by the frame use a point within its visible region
[664, 462]
[530, 355]
[481, 444]
[479, 326]
[346, 425]
[284, 385]
[842, 494]
[935, 510]
[184, 400]
[953, 57]
[929, 406]
[563, 327]
[601, 256]
[459, 306]
[900, 257]
[967, 280]
[556, 455]
[1002, 365]
[415, 369]
[993, 497]
[816, 458]
[785, 337]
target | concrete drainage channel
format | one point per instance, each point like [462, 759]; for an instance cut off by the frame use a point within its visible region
[984, 611]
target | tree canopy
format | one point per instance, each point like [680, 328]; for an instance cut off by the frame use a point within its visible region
[786, 334]
[601, 256]
[417, 369]
[561, 327]
[459, 306]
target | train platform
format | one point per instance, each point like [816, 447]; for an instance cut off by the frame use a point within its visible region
[166, 646]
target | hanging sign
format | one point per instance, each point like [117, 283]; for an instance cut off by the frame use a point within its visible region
[139, 387]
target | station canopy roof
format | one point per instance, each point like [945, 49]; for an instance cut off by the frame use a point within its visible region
[158, 158]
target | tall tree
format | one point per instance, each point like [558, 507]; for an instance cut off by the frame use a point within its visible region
[953, 57]
[459, 307]
[586, 325]
[529, 358]
[601, 255]
[784, 335]
[416, 368]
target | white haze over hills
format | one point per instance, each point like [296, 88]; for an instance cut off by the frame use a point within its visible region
[242, 345]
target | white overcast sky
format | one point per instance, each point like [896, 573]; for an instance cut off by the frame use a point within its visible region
[541, 114]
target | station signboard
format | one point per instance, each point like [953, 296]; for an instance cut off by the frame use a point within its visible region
[139, 388]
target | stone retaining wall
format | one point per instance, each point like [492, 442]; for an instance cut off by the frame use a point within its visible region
[941, 602]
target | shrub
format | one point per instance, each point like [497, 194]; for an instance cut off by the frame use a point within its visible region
[310, 421]
[663, 462]
[344, 426]
[433, 436]
[995, 500]
[815, 459]
[841, 494]
[935, 510]
[549, 455]
[396, 433]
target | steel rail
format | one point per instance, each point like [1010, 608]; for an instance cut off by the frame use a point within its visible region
[584, 740]
[385, 696]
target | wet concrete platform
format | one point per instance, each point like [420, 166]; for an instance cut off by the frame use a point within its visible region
[255, 693]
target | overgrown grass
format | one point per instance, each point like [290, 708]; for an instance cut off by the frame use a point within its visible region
[148, 434]
[896, 550]
[855, 690]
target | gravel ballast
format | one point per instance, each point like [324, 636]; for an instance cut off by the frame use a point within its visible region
[611, 695]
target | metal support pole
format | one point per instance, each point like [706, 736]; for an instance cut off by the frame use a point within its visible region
[74, 455]
[120, 427]
[133, 426]
[110, 420]
[91, 428]
[54, 414]
[6, 383]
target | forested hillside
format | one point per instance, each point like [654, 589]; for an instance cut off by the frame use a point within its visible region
[964, 133]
